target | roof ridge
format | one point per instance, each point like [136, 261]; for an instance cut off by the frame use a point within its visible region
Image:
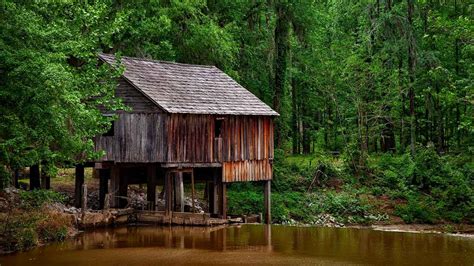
[159, 61]
[192, 89]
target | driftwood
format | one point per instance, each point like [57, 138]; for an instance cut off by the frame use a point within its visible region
[316, 177]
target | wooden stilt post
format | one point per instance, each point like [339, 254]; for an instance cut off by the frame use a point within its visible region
[213, 195]
[84, 198]
[151, 186]
[179, 192]
[268, 236]
[268, 195]
[104, 175]
[78, 185]
[45, 178]
[123, 187]
[169, 192]
[114, 186]
[165, 189]
[16, 176]
[224, 200]
[34, 177]
[192, 189]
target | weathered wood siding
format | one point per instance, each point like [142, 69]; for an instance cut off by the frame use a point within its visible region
[135, 99]
[190, 138]
[247, 138]
[245, 147]
[251, 170]
[138, 138]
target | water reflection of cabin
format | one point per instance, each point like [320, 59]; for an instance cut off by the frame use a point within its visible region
[188, 123]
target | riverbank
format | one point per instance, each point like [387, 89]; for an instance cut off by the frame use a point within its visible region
[31, 219]
[316, 190]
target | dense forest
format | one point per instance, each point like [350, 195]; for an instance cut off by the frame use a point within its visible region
[375, 96]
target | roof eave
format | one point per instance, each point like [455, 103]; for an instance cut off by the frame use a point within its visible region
[136, 87]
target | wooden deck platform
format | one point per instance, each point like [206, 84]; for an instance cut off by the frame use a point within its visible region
[179, 218]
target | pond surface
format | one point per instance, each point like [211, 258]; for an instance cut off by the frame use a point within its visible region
[250, 244]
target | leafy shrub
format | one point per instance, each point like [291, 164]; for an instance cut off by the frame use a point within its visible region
[418, 210]
[39, 197]
[244, 202]
[393, 173]
[53, 228]
[345, 206]
[26, 239]
[289, 206]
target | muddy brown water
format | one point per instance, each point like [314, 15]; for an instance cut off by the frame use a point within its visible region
[250, 244]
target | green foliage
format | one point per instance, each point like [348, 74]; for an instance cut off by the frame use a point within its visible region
[244, 202]
[345, 206]
[435, 187]
[25, 239]
[54, 227]
[336, 70]
[418, 193]
[51, 84]
[418, 209]
[37, 198]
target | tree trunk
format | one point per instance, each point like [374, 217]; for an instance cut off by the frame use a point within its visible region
[411, 74]
[282, 45]
[403, 111]
[294, 118]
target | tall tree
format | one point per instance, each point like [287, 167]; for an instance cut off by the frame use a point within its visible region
[282, 45]
[411, 72]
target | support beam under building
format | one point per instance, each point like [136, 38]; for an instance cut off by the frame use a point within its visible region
[79, 181]
[104, 176]
[123, 189]
[35, 177]
[179, 192]
[223, 200]
[267, 200]
[168, 193]
[114, 186]
[16, 177]
[45, 178]
[213, 193]
[151, 186]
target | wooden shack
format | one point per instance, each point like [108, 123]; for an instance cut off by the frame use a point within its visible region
[186, 122]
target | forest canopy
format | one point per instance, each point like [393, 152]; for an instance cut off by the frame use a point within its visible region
[358, 78]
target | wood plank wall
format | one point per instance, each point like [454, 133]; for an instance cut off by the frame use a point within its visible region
[135, 99]
[247, 138]
[138, 138]
[250, 170]
[190, 138]
[245, 149]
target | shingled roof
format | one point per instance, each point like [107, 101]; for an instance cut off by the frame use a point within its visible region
[190, 89]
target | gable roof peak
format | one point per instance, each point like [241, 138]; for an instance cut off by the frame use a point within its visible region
[188, 88]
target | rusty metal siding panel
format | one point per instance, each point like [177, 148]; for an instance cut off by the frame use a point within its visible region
[250, 170]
